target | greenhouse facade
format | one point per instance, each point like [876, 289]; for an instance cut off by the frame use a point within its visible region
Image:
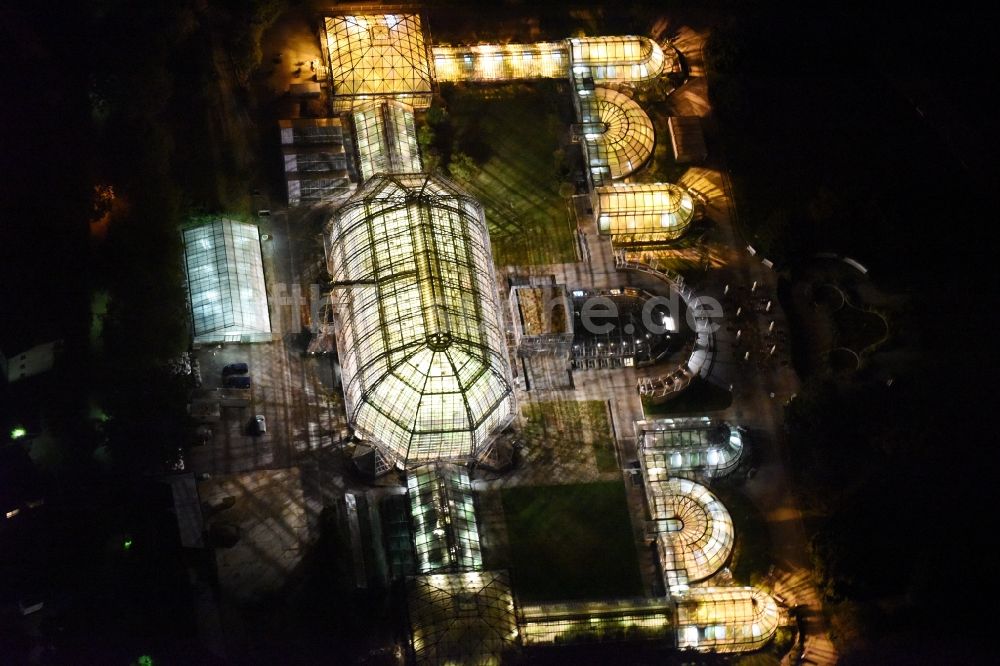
[422, 348]
[225, 277]
[726, 619]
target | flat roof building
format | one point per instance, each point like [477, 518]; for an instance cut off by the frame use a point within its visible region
[317, 168]
[543, 318]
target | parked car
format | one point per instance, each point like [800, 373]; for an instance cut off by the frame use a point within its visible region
[236, 369]
[260, 424]
[237, 382]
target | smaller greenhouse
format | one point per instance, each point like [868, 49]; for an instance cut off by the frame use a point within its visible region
[377, 55]
[445, 535]
[694, 533]
[617, 133]
[688, 445]
[386, 139]
[501, 62]
[639, 214]
[617, 59]
[726, 619]
[466, 618]
[225, 279]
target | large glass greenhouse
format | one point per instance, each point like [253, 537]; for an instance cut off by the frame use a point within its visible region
[226, 282]
[422, 347]
[501, 62]
[377, 56]
[647, 213]
[445, 534]
[694, 531]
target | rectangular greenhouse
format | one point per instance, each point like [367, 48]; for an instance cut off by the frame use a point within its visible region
[726, 619]
[617, 59]
[466, 618]
[225, 278]
[445, 534]
[501, 62]
[386, 139]
[647, 213]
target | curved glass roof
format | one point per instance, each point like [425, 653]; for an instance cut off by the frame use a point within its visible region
[225, 278]
[647, 213]
[726, 619]
[695, 531]
[618, 59]
[670, 446]
[422, 349]
[386, 138]
[618, 133]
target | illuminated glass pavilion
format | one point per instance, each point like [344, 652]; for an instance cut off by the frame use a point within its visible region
[694, 531]
[225, 277]
[643, 213]
[372, 56]
[617, 59]
[726, 619]
[445, 534]
[386, 138]
[422, 348]
[684, 446]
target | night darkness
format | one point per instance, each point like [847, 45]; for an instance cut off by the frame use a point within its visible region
[867, 133]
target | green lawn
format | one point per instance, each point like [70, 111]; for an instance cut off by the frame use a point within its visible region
[571, 542]
[513, 136]
[572, 425]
